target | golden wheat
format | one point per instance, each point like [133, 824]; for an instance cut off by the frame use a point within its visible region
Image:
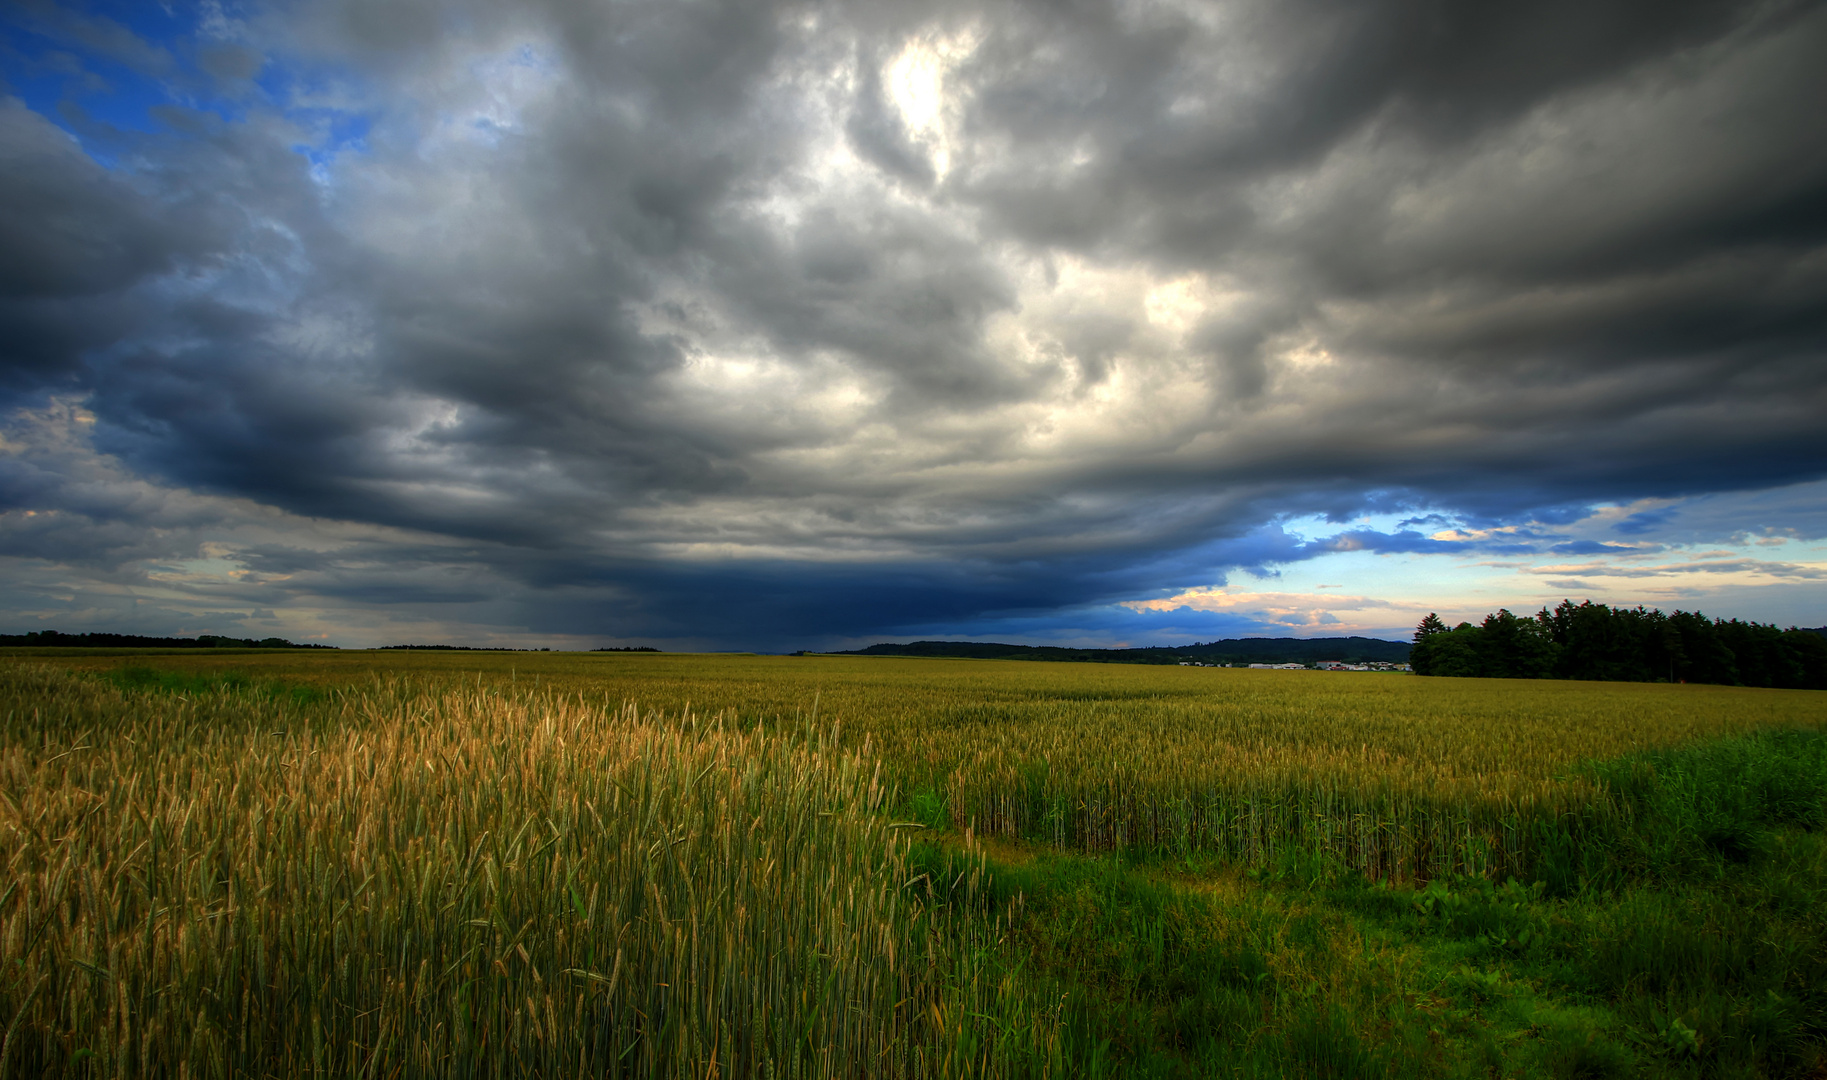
[460, 883]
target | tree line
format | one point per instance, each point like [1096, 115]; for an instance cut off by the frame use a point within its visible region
[1228, 651]
[1593, 641]
[39, 639]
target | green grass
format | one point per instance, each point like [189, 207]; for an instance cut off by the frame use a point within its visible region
[169, 681]
[1698, 961]
[1718, 802]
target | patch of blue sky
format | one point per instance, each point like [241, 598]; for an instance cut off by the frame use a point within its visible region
[1394, 576]
[107, 72]
[1355, 579]
[82, 92]
[1323, 527]
[1405, 528]
[322, 102]
[1788, 604]
[1376, 573]
[111, 70]
[334, 134]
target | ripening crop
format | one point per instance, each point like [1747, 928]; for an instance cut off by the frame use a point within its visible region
[1397, 776]
[454, 864]
[395, 883]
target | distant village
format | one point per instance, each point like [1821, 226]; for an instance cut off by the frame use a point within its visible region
[1320, 665]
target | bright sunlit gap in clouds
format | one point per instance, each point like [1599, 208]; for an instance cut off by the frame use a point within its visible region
[916, 81]
[797, 326]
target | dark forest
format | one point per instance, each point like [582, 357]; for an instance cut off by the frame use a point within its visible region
[1593, 641]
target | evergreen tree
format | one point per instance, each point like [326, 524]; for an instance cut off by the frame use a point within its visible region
[1421, 655]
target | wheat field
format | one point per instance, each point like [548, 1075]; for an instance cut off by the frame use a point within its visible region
[460, 882]
[424, 864]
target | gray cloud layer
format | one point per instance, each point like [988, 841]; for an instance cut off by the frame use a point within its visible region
[735, 322]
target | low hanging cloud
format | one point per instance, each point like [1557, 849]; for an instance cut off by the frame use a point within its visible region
[1756, 567]
[1329, 612]
[766, 325]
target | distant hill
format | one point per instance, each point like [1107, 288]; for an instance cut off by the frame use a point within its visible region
[43, 638]
[1230, 651]
[458, 648]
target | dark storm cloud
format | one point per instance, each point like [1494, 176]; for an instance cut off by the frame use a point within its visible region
[736, 321]
[1183, 110]
[74, 238]
[1613, 305]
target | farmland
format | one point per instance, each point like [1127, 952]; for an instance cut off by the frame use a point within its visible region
[558, 864]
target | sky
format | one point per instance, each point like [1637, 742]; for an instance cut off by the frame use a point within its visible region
[760, 325]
